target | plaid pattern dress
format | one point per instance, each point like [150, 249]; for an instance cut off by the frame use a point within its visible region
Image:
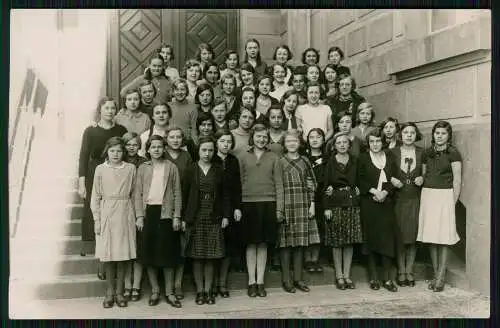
[299, 185]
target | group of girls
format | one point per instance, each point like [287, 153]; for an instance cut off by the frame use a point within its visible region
[222, 163]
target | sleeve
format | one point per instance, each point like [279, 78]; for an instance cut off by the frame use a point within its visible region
[95, 200]
[391, 171]
[311, 188]
[138, 191]
[83, 161]
[278, 182]
[175, 183]
[454, 155]
[132, 85]
[190, 183]
[362, 176]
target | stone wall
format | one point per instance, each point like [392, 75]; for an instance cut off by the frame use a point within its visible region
[425, 65]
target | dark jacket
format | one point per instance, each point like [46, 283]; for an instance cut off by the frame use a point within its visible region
[232, 174]
[368, 175]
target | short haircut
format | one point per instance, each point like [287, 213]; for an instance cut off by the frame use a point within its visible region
[203, 140]
[167, 46]
[203, 87]
[173, 128]
[179, 81]
[373, 133]
[146, 83]
[305, 53]
[102, 101]
[129, 92]
[258, 128]
[338, 50]
[338, 135]
[164, 104]
[150, 141]
[127, 137]
[294, 133]
[224, 132]
[111, 142]
[283, 46]
[370, 106]
[203, 46]
[287, 95]
[345, 76]
[418, 136]
[202, 117]
[207, 66]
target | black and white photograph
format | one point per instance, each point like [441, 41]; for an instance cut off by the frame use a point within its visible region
[249, 163]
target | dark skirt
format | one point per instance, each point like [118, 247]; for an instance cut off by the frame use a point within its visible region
[159, 246]
[406, 211]
[232, 239]
[259, 223]
[344, 229]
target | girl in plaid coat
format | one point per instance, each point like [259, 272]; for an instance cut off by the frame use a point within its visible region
[295, 230]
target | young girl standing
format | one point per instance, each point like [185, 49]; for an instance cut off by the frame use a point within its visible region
[230, 96]
[167, 52]
[330, 77]
[262, 191]
[211, 75]
[130, 117]
[183, 111]
[156, 74]
[282, 55]
[347, 100]
[313, 114]
[297, 229]
[231, 65]
[161, 118]
[264, 101]
[242, 132]
[279, 83]
[310, 56]
[132, 143]
[204, 54]
[219, 113]
[252, 56]
[205, 127]
[375, 170]
[408, 182]
[344, 125]
[113, 211]
[442, 169]
[192, 73]
[390, 132]
[364, 121]
[343, 227]
[182, 161]
[207, 214]
[335, 56]
[313, 74]
[276, 132]
[158, 210]
[299, 83]
[233, 245]
[289, 103]
[148, 93]
[247, 73]
[317, 157]
[93, 142]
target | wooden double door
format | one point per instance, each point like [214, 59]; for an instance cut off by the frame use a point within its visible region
[137, 33]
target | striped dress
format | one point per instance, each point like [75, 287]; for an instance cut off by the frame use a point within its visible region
[299, 184]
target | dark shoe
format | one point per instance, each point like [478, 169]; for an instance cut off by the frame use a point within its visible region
[401, 280]
[410, 280]
[82, 254]
[200, 298]
[173, 301]
[432, 284]
[120, 301]
[252, 290]
[179, 294]
[288, 287]
[154, 299]
[340, 283]
[223, 292]
[135, 295]
[309, 267]
[301, 286]
[439, 286]
[390, 286]
[317, 267]
[210, 299]
[109, 301]
[374, 284]
[101, 275]
[349, 284]
[127, 292]
[261, 292]
[213, 292]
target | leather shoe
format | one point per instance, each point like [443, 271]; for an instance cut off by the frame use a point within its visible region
[301, 286]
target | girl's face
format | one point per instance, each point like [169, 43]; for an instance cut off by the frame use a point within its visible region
[299, 82]
[212, 74]
[132, 101]
[408, 135]
[365, 113]
[345, 86]
[219, 112]
[147, 93]
[252, 50]
[156, 67]
[232, 61]
[246, 77]
[115, 154]
[246, 120]
[313, 74]
[315, 140]
[334, 58]
[206, 152]
[264, 86]
[160, 115]
[375, 144]
[260, 139]
[206, 128]
[441, 136]
[248, 99]
[281, 55]
[205, 98]
[390, 129]
[313, 95]
[108, 111]
[166, 53]
[205, 55]
[311, 58]
[132, 147]
[193, 73]
[291, 103]
[224, 144]
[292, 144]
[342, 144]
[174, 139]
[275, 118]
[156, 149]
[345, 124]
[330, 74]
[279, 74]
[228, 86]
[180, 92]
